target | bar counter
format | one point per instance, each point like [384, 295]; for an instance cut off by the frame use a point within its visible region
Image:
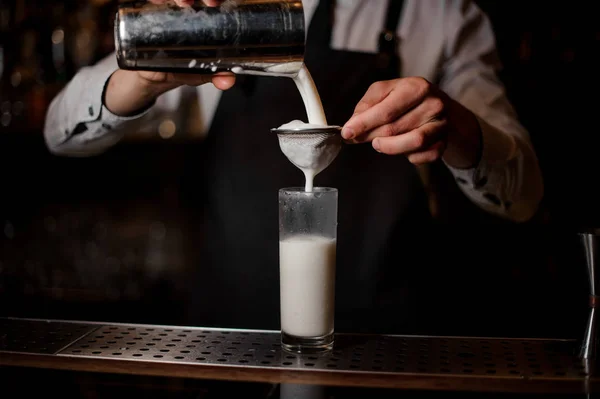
[458, 364]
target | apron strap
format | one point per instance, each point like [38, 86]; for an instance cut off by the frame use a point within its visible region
[388, 39]
[321, 26]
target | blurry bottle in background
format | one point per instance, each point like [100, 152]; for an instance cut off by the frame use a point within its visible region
[106, 26]
[6, 14]
[11, 106]
[35, 63]
[43, 43]
[59, 67]
[84, 42]
[27, 73]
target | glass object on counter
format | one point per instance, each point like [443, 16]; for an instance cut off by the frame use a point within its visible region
[307, 262]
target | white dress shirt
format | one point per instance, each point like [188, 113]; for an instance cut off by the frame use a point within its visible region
[448, 42]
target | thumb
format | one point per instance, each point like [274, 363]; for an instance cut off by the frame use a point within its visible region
[224, 81]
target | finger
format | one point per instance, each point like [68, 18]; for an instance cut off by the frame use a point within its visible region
[184, 3]
[432, 154]
[374, 95]
[416, 140]
[432, 108]
[406, 94]
[224, 81]
[213, 3]
[191, 79]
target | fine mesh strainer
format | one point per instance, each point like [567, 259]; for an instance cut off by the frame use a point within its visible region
[310, 148]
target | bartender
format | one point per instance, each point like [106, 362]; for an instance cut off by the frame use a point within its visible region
[411, 82]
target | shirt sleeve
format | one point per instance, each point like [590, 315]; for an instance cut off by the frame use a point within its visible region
[77, 122]
[507, 180]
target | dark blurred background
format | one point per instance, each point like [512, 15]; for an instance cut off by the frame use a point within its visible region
[112, 237]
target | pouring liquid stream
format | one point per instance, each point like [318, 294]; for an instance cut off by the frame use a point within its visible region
[316, 117]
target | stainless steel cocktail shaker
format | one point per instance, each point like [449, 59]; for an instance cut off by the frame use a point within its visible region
[265, 37]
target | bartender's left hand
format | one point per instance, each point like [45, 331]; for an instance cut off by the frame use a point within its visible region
[412, 117]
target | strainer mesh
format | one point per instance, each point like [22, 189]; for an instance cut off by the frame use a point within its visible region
[312, 139]
[310, 149]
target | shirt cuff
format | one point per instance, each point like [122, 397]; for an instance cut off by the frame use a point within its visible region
[94, 109]
[100, 120]
[108, 118]
[497, 148]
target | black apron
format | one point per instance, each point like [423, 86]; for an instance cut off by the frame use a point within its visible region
[383, 212]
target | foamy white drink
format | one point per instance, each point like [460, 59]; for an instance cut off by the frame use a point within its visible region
[307, 279]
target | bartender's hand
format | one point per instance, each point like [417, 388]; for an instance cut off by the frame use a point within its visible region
[187, 3]
[413, 117]
[129, 92]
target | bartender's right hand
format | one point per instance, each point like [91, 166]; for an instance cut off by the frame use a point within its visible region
[130, 92]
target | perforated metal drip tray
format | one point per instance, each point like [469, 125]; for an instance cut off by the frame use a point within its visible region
[35, 336]
[371, 354]
[367, 355]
